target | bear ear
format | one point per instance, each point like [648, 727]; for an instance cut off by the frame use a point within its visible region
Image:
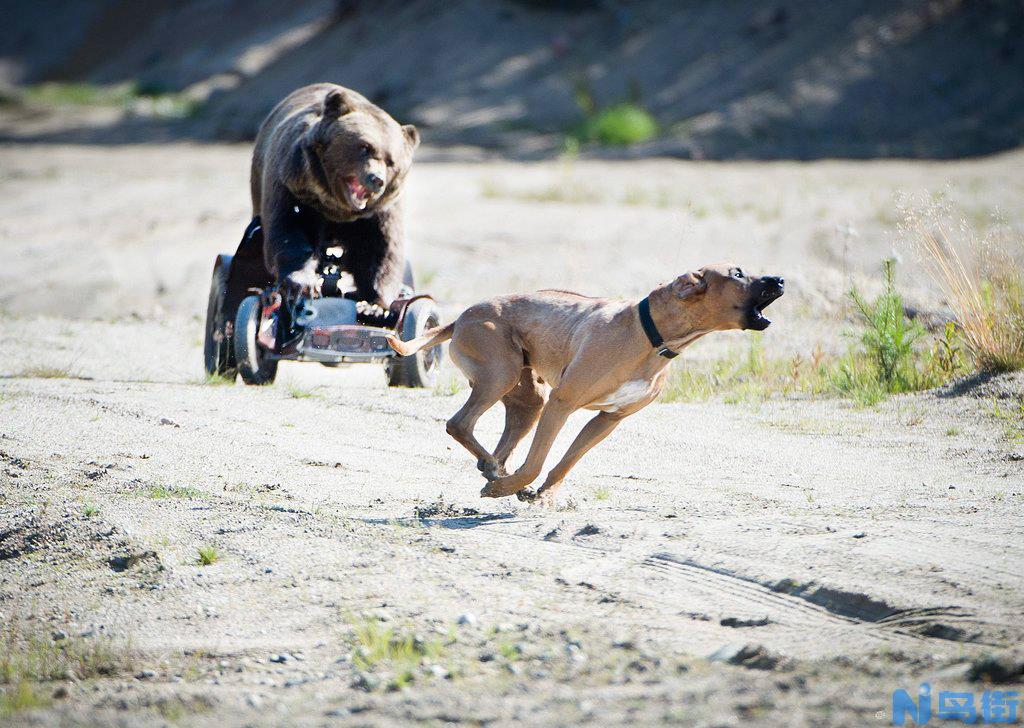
[689, 284]
[412, 135]
[336, 104]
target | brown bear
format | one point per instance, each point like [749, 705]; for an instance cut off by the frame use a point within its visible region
[327, 171]
[341, 161]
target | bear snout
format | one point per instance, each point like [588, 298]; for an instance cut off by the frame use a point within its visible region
[374, 182]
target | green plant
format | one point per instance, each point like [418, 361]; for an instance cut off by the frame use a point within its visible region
[602, 493]
[618, 125]
[90, 510]
[1012, 417]
[889, 336]
[214, 380]
[27, 656]
[297, 391]
[449, 385]
[19, 696]
[145, 99]
[207, 555]
[173, 491]
[378, 645]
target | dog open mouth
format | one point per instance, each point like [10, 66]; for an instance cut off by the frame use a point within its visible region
[358, 194]
[769, 291]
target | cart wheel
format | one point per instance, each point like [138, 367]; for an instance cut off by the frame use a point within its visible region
[253, 364]
[419, 369]
[218, 354]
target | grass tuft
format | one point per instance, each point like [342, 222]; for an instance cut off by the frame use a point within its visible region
[377, 645]
[298, 391]
[985, 288]
[207, 555]
[20, 696]
[43, 371]
[449, 385]
[213, 380]
[32, 657]
[173, 491]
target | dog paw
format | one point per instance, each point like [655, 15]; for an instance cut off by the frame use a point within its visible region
[527, 495]
[490, 469]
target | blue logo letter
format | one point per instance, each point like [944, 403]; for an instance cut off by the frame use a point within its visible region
[903, 705]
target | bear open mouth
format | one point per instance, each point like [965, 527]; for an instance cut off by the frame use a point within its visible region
[358, 194]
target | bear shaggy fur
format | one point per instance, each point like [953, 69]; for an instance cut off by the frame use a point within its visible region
[327, 170]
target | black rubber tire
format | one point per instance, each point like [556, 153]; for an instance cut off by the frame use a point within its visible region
[253, 366]
[420, 369]
[218, 352]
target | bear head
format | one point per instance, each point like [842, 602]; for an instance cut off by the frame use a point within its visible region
[364, 153]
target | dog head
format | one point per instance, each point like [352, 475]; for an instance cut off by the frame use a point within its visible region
[721, 297]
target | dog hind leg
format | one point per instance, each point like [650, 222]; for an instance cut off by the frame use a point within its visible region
[490, 382]
[523, 406]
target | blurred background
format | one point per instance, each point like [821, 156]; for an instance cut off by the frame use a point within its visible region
[797, 79]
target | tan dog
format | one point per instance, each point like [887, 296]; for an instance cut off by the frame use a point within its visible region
[549, 354]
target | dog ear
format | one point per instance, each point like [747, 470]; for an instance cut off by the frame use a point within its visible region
[688, 284]
[336, 104]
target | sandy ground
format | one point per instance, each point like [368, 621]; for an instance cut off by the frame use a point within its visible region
[792, 562]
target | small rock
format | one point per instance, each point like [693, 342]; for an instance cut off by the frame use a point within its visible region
[59, 635]
[624, 643]
[254, 700]
[574, 653]
[438, 672]
[589, 530]
[513, 668]
[486, 657]
[268, 570]
[760, 621]
[146, 674]
[467, 618]
[280, 659]
[859, 534]
[168, 421]
[448, 549]
[337, 713]
[752, 656]
[60, 693]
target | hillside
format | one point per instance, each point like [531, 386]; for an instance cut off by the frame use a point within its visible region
[793, 79]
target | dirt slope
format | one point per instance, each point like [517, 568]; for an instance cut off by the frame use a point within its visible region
[737, 80]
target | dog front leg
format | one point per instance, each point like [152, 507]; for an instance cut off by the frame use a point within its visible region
[552, 419]
[599, 427]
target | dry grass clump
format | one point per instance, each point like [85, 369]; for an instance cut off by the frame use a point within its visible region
[983, 280]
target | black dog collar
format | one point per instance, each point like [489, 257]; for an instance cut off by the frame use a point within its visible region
[653, 335]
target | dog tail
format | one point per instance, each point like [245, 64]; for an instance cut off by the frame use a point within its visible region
[433, 337]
